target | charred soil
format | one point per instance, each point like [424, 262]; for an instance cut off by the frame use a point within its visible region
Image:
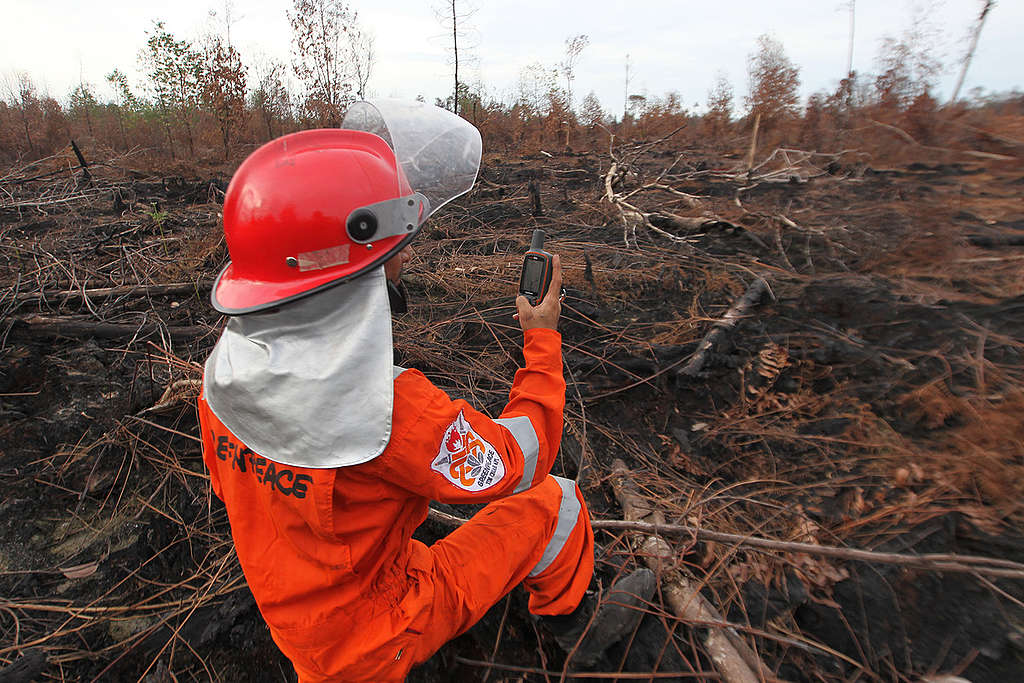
[868, 397]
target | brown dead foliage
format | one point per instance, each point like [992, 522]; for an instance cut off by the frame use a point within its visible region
[870, 400]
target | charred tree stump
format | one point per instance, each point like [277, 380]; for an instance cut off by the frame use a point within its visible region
[732, 657]
[82, 162]
[537, 210]
[119, 204]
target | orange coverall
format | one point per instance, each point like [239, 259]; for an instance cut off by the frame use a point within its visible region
[328, 554]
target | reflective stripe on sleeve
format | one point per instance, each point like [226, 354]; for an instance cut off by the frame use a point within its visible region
[522, 431]
[568, 514]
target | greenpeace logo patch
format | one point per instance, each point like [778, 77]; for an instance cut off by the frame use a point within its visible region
[466, 459]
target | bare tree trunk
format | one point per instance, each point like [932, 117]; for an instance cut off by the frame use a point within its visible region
[83, 164]
[120, 125]
[170, 138]
[88, 120]
[970, 50]
[24, 122]
[849, 59]
[188, 132]
[625, 96]
[455, 53]
[753, 142]
[28, 134]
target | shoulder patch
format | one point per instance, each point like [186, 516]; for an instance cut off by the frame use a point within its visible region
[466, 459]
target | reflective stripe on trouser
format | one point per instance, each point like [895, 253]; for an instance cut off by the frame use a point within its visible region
[568, 518]
[477, 564]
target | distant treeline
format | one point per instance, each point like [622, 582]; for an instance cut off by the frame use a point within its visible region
[201, 103]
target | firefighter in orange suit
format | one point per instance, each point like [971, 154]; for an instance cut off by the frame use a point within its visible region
[326, 454]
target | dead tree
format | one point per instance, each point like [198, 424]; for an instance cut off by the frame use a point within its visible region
[849, 57]
[633, 217]
[989, 4]
[454, 19]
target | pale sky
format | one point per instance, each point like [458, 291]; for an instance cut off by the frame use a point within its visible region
[676, 45]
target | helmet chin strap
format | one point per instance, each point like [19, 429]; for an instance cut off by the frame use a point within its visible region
[398, 296]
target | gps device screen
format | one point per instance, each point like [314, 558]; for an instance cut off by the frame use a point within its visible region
[533, 274]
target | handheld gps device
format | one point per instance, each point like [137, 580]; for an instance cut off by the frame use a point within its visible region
[537, 269]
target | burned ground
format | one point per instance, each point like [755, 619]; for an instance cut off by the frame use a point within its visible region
[870, 399]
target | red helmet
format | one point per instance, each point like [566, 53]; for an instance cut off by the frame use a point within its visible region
[310, 210]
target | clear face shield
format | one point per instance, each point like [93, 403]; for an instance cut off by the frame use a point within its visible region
[438, 154]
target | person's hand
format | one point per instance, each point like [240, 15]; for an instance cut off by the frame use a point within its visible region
[545, 314]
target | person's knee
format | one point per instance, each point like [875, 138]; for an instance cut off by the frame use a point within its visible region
[550, 492]
[568, 514]
[544, 496]
[562, 574]
[556, 497]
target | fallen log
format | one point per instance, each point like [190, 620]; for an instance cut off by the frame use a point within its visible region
[64, 296]
[633, 217]
[26, 668]
[750, 298]
[996, 241]
[906, 137]
[40, 326]
[730, 654]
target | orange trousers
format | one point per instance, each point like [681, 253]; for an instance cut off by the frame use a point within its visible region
[457, 579]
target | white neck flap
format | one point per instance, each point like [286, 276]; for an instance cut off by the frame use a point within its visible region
[309, 384]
